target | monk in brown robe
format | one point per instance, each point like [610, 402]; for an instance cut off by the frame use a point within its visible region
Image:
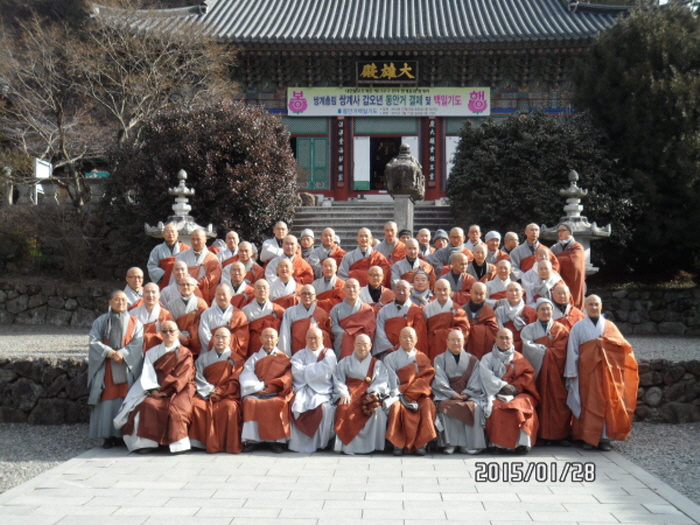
[375, 293]
[572, 262]
[187, 309]
[202, 265]
[483, 324]
[298, 319]
[261, 314]
[602, 379]
[329, 287]
[217, 415]
[152, 315]
[349, 319]
[356, 264]
[266, 385]
[412, 412]
[441, 317]
[564, 310]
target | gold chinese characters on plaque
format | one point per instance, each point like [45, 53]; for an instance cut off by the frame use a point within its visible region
[387, 72]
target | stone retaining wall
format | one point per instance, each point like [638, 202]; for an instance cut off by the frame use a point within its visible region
[49, 391]
[55, 303]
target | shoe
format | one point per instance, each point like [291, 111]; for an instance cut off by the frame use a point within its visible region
[108, 443]
[449, 450]
[522, 450]
[277, 448]
[605, 446]
[564, 443]
[398, 451]
[118, 442]
[421, 451]
[587, 446]
[471, 451]
[145, 450]
[249, 447]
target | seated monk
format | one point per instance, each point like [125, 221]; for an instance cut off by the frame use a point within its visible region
[391, 247]
[217, 415]
[349, 319]
[301, 270]
[530, 277]
[459, 398]
[285, 290]
[479, 268]
[544, 345]
[411, 410]
[266, 387]
[542, 287]
[298, 319]
[223, 313]
[202, 264]
[187, 309]
[572, 262]
[509, 383]
[375, 293]
[242, 291]
[158, 408]
[460, 281]
[261, 314]
[523, 256]
[514, 314]
[441, 317]
[329, 287]
[313, 412]
[162, 257]
[356, 264]
[230, 254]
[360, 383]
[483, 324]
[564, 311]
[395, 316]
[496, 287]
[328, 248]
[254, 272]
[152, 315]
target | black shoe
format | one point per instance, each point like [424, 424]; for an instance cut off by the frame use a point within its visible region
[398, 451]
[564, 443]
[605, 446]
[249, 447]
[108, 443]
[277, 448]
[522, 450]
[421, 451]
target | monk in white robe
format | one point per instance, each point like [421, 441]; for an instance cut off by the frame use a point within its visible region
[543, 286]
[230, 254]
[254, 272]
[158, 408]
[375, 293]
[285, 290]
[602, 379]
[223, 314]
[509, 382]
[298, 319]
[313, 412]
[152, 315]
[217, 416]
[266, 387]
[360, 383]
[410, 426]
[349, 319]
[272, 248]
[494, 254]
[162, 257]
[115, 359]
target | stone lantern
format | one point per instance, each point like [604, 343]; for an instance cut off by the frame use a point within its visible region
[584, 232]
[182, 220]
[406, 184]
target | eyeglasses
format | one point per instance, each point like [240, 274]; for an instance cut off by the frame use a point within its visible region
[169, 331]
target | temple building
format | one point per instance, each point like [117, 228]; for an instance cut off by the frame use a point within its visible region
[353, 79]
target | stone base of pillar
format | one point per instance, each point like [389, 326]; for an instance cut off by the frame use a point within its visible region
[403, 212]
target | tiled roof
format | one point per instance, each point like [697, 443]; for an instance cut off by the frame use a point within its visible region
[382, 22]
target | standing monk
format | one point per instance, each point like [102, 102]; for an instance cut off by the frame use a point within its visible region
[356, 264]
[160, 262]
[158, 407]
[602, 379]
[152, 316]
[223, 314]
[186, 309]
[230, 254]
[412, 413]
[261, 314]
[301, 271]
[349, 319]
[114, 362]
[328, 249]
[514, 314]
[565, 312]
[329, 287]
[523, 256]
[572, 262]
[134, 287]
[441, 317]
[375, 293]
[544, 345]
[391, 247]
[202, 265]
[298, 319]
[360, 382]
[216, 409]
[395, 316]
[407, 267]
[483, 324]
[266, 387]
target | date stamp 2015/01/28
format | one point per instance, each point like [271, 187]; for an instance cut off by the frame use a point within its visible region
[538, 471]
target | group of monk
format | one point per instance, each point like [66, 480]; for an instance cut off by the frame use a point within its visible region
[400, 343]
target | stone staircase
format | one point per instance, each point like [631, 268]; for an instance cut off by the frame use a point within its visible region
[348, 217]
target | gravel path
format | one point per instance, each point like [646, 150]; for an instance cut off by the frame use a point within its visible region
[670, 452]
